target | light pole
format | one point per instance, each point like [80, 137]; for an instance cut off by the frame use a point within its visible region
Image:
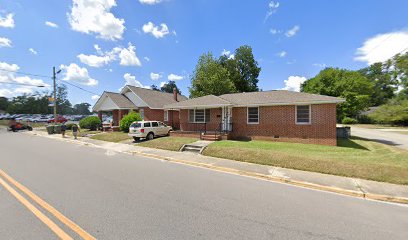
[54, 78]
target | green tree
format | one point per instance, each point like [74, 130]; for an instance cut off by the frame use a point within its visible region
[169, 86]
[210, 77]
[82, 109]
[394, 112]
[154, 87]
[3, 103]
[384, 85]
[351, 85]
[243, 69]
[63, 104]
[398, 68]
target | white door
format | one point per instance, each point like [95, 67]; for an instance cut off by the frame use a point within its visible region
[226, 118]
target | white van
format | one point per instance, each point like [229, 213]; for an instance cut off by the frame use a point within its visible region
[148, 129]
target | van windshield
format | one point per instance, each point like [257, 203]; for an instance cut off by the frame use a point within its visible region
[136, 125]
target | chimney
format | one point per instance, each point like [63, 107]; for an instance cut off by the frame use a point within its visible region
[175, 94]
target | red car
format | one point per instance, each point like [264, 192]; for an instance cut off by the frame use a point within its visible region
[60, 119]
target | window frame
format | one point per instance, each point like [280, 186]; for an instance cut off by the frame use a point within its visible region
[195, 115]
[166, 116]
[248, 115]
[310, 115]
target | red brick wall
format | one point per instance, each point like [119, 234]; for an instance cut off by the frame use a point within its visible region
[215, 120]
[280, 121]
[158, 115]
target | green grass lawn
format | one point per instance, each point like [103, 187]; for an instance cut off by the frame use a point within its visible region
[111, 136]
[167, 143]
[352, 158]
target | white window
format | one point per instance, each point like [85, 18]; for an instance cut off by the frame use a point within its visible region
[199, 115]
[303, 114]
[166, 115]
[141, 111]
[253, 115]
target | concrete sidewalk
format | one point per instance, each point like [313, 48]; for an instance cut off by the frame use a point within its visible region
[343, 185]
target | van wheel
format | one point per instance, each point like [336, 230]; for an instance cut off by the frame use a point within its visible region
[136, 139]
[150, 136]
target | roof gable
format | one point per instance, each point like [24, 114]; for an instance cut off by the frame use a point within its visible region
[110, 101]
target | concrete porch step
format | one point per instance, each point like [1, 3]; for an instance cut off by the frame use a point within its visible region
[191, 148]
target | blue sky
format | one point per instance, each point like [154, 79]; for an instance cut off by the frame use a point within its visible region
[104, 44]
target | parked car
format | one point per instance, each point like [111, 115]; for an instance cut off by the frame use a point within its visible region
[60, 119]
[148, 130]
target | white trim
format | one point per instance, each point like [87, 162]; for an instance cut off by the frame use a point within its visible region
[127, 87]
[248, 116]
[310, 115]
[166, 116]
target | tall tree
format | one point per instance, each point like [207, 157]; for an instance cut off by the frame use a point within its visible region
[154, 87]
[243, 69]
[398, 67]
[3, 103]
[168, 87]
[82, 109]
[384, 84]
[63, 104]
[209, 77]
[351, 85]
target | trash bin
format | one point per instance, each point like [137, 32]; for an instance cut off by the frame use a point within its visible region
[57, 129]
[50, 129]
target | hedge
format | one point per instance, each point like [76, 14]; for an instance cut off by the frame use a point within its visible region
[128, 119]
[92, 123]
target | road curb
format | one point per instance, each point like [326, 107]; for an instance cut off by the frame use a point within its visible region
[359, 194]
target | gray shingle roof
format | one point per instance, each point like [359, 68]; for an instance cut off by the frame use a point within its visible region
[205, 101]
[156, 99]
[274, 97]
[121, 100]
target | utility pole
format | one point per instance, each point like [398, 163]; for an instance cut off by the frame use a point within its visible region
[54, 77]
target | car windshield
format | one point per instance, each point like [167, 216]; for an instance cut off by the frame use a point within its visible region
[136, 125]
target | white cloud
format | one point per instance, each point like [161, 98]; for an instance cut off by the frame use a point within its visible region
[75, 73]
[94, 16]
[174, 77]
[95, 97]
[156, 31]
[292, 32]
[155, 76]
[228, 54]
[51, 24]
[131, 80]
[272, 8]
[128, 57]
[31, 50]
[282, 54]
[274, 31]
[382, 47]
[293, 83]
[8, 90]
[7, 21]
[320, 65]
[147, 59]
[150, 2]
[5, 42]
[94, 60]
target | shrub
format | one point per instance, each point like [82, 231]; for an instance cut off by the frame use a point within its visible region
[348, 120]
[92, 123]
[395, 112]
[69, 126]
[128, 119]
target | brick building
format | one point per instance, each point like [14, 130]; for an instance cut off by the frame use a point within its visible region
[149, 103]
[277, 115]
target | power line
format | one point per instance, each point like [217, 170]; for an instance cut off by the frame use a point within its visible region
[24, 73]
[83, 89]
[24, 84]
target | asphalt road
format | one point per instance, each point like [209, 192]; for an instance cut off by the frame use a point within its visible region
[118, 196]
[378, 135]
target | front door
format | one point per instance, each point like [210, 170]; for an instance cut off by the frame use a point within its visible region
[226, 119]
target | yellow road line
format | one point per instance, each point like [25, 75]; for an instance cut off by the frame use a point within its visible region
[49, 208]
[57, 230]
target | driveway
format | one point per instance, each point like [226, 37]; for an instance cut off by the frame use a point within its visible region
[379, 135]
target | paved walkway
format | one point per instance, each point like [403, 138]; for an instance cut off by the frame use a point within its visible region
[379, 135]
[344, 185]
